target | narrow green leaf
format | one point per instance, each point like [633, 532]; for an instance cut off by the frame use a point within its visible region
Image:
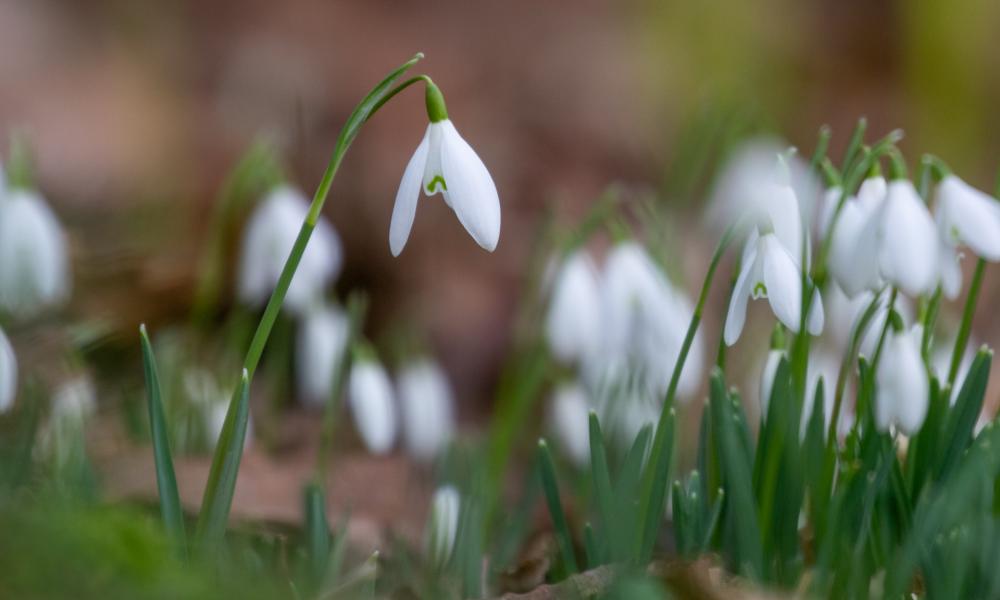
[962, 419]
[602, 484]
[713, 521]
[221, 483]
[166, 482]
[551, 487]
[317, 531]
[591, 546]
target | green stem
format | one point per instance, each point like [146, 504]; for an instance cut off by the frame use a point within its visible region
[847, 365]
[655, 479]
[966, 327]
[885, 330]
[857, 137]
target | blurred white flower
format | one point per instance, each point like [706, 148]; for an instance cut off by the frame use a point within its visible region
[320, 348]
[372, 404]
[909, 246]
[644, 322]
[902, 393]
[969, 217]
[856, 237]
[769, 271]
[828, 207]
[8, 372]
[75, 399]
[772, 187]
[445, 163]
[569, 422]
[443, 525]
[267, 242]
[573, 322]
[72, 403]
[427, 409]
[34, 265]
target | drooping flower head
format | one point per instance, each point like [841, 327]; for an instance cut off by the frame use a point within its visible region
[902, 394]
[267, 242]
[427, 409]
[445, 163]
[321, 344]
[34, 265]
[965, 217]
[371, 400]
[573, 321]
[854, 247]
[909, 246]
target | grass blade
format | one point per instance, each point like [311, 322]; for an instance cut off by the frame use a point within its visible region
[221, 484]
[166, 481]
[551, 487]
[602, 485]
[962, 420]
[317, 531]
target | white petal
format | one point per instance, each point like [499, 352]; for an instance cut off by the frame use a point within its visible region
[951, 270]
[814, 322]
[8, 373]
[34, 268]
[569, 420]
[445, 510]
[471, 190]
[872, 192]
[854, 244]
[427, 409]
[737, 313]
[786, 219]
[970, 217]
[572, 324]
[783, 282]
[902, 394]
[321, 343]
[908, 255]
[405, 208]
[370, 395]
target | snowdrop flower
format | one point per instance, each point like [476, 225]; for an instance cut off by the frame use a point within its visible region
[445, 163]
[372, 404]
[965, 216]
[443, 526]
[8, 373]
[427, 407]
[267, 242]
[34, 266]
[320, 346]
[569, 421]
[970, 217]
[902, 393]
[572, 324]
[908, 251]
[856, 238]
[644, 322]
[769, 271]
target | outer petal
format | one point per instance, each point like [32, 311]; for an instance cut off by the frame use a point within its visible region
[969, 216]
[783, 211]
[908, 255]
[737, 314]
[783, 281]
[372, 405]
[951, 270]
[445, 509]
[320, 346]
[903, 381]
[815, 319]
[471, 190]
[8, 373]
[405, 208]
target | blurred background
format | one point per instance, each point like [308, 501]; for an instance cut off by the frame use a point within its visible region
[136, 111]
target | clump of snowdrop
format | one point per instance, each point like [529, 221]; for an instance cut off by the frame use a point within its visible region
[902, 393]
[443, 525]
[569, 421]
[769, 271]
[445, 163]
[644, 320]
[321, 347]
[573, 321]
[267, 242]
[371, 400]
[34, 263]
[427, 409]
[8, 373]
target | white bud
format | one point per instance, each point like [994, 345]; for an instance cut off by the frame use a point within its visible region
[34, 264]
[427, 407]
[372, 404]
[320, 348]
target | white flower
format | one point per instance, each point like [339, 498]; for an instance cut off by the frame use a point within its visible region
[372, 404]
[908, 251]
[8, 372]
[969, 217]
[320, 347]
[427, 407]
[856, 238]
[267, 242]
[61, 438]
[902, 393]
[768, 271]
[644, 322]
[445, 163]
[569, 421]
[443, 526]
[34, 266]
[573, 322]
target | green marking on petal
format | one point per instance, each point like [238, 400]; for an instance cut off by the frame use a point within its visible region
[955, 235]
[432, 186]
[759, 290]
